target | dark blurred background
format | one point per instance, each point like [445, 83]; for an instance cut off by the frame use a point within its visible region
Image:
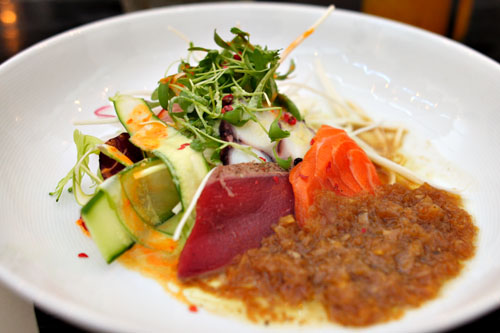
[475, 23]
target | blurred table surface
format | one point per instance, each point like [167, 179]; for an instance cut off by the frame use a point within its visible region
[37, 20]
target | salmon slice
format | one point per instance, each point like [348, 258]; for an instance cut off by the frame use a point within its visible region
[344, 166]
[325, 169]
[333, 163]
[366, 174]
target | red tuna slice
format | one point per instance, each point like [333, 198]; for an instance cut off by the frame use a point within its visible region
[234, 213]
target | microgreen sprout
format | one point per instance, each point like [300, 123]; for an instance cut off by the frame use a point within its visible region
[194, 96]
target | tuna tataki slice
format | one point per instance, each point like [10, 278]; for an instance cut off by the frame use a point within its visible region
[235, 211]
[335, 163]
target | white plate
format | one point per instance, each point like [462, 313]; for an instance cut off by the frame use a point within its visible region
[441, 90]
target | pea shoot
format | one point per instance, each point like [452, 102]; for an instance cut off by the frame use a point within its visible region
[232, 84]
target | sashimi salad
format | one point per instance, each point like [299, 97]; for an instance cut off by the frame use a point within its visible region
[220, 183]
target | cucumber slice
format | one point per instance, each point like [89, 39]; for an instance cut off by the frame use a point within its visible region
[186, 166]
[105, 227]
[168, 227]
[131, 111]
[140, 232]
[149, 187]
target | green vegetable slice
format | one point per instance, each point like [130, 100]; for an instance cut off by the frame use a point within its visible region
[149, 187]
[107, 231]
[186, 166]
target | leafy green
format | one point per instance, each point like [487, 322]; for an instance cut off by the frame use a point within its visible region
[285, 102]
[86, 145]
[239, 32]
[290, 70]
[284, 164]
[236, 116]
[193, 97]
[164, 93]
[219, 41]
[275, 131]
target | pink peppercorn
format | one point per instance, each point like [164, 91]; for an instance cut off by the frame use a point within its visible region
[228, 99]
[227, 108]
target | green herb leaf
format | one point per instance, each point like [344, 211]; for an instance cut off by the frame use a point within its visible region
[215, 156]
[290, 71]
[152, 105]
[236, 117]
[164, 94]
[198, 48]
[197, 145]
[210, 59]
[154, 95]
[262, 58]
[256, 100]
[285, 102]
[219, 41]
[240, 32]
[183, 103]
[284, 164]
[275, 131]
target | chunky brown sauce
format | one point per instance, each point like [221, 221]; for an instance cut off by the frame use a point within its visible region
[365, 259]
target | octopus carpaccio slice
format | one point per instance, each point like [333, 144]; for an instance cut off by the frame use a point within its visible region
[234, 213]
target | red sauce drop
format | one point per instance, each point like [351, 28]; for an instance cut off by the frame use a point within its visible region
[184, 145]
[193, 308]
[82, 255]
[100, 112]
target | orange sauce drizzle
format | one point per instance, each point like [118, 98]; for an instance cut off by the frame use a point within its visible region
[154, 239]
[148, 131]
[83, 227]
[118, 155]
[157, 265]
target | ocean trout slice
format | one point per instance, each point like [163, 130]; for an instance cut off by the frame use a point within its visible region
[235, 211]
[333, 163]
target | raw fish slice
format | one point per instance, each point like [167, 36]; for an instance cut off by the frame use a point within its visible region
[235, 211]
[346, 167]
[366, 174]
[333, 163]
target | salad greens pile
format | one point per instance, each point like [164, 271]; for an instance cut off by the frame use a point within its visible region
[233, 84]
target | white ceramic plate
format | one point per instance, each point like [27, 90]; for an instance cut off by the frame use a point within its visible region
[442, 91]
